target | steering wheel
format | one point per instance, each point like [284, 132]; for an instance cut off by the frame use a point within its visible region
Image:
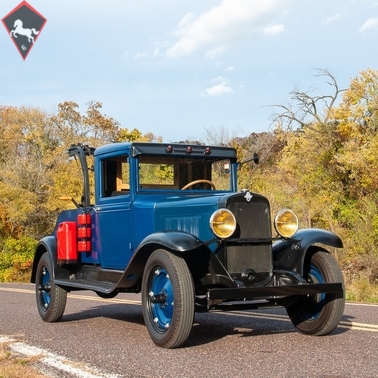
[203, 181]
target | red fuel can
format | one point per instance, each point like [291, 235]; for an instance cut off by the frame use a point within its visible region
[84, 246]
[83, 219]
[67, 243]
[83, 232]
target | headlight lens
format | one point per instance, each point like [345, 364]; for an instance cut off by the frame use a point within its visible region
[223, 223]
[286, 223]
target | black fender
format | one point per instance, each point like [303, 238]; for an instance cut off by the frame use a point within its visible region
[290, 254]
[48, 244]
[177, 242]
[202, 262]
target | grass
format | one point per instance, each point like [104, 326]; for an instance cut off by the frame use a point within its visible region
[361, 290]
[14, 366]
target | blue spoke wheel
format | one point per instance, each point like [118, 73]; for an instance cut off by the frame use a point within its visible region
[167, 299]
[51, 299]
[319, 314]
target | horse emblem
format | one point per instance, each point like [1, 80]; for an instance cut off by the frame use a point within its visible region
[20, 30]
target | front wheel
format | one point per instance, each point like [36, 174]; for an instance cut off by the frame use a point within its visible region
[51, 299]
[167, 299]
[319, 314]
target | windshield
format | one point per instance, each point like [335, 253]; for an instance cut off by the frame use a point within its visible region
[156, 173]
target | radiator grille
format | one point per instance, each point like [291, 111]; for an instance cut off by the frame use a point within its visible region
[253, 221]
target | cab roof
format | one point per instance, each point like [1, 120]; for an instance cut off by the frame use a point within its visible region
[168, 149]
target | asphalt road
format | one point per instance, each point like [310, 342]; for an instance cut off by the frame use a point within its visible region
[107, 338]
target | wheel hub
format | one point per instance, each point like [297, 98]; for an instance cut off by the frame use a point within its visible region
[158, 298]
[161, 299]
[44, 288]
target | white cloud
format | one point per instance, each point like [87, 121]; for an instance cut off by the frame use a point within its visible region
[242, 85]
[185, 21]
[274, 29]
[220, 86]
[215, 30]
[214, 52]
[140, 55]
[370, 26]
[331, 19]
[231, 68]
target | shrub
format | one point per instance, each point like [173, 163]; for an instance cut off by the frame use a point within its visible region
[360, 289]
[16, 259]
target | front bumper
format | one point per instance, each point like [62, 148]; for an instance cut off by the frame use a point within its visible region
[270, 292]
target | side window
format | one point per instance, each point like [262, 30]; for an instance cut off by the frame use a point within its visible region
[115, 176]
[156, 174]
[220, 174]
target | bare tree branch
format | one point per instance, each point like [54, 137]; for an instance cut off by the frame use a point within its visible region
[306, 109]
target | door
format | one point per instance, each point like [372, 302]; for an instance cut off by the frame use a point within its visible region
[112, 221]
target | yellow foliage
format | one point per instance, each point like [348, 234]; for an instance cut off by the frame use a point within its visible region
[34, 167]
[124, 135]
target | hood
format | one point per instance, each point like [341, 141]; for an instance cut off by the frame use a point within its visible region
[180, 212]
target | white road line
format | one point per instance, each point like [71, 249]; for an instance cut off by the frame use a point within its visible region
[55, 361]
[6, 339]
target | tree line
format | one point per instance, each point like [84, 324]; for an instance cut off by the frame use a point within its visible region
[320, 159]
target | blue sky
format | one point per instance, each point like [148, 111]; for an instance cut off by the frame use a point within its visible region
[178, 67]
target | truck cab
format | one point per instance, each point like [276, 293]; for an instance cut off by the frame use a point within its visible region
[168, 221]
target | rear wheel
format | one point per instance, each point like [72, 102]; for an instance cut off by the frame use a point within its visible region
[51, 299]
[319, 314]
[167, 299]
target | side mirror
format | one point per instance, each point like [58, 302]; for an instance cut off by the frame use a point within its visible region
[255, 159]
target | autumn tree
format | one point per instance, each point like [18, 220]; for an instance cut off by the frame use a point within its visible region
[328, 166]
[134, 135]
[25, 156]
[305, 168]
[34, 172]
[356, 167]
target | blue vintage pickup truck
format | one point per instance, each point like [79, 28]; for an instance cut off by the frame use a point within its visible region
[167, 221]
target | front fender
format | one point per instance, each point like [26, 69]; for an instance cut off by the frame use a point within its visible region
[289, 254]
[177, 242]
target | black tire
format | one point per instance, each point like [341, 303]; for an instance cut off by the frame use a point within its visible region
[319, 314]
[168, 299]
[51, 299]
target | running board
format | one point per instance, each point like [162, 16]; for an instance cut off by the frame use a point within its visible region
[80, 284]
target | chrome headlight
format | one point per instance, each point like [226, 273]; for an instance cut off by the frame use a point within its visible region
[286, 223]
[223, 223]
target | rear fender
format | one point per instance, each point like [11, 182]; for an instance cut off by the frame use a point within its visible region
[48, 244]
[290, 254]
